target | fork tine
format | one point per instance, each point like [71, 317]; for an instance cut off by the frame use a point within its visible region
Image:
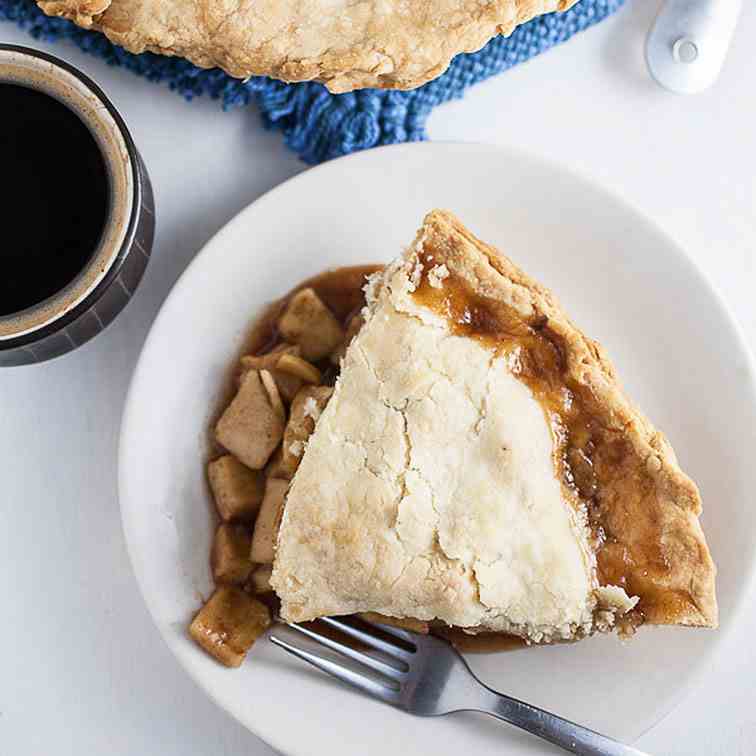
[370, 640]
[365, 684]
[397, 632]
[358, 656]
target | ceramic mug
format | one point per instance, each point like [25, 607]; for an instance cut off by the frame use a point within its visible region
[86, 305]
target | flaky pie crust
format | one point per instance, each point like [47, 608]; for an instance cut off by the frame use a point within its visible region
[387, 44]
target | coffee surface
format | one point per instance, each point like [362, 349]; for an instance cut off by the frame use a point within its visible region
[55, 199]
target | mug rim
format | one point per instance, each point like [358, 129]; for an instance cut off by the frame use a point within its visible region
[63, 319]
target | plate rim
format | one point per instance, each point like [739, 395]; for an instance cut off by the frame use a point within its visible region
[637, 215]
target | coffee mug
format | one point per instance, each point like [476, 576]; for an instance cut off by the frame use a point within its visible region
[79, 205]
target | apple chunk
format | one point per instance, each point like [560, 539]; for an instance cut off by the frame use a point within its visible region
[288, 384]
[259, 580]
[237, 490]
[306, 321]
[230, 555]
[306, 408]
[268, 521]
[252, 425]
[228, 624]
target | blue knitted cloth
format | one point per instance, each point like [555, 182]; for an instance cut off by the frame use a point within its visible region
[318, 125]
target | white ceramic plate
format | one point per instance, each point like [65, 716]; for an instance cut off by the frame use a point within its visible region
[622, 280]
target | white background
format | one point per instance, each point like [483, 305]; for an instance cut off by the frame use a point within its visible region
[81, 668]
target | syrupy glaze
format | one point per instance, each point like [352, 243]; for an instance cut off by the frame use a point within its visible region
[599, 471]
[340, 289]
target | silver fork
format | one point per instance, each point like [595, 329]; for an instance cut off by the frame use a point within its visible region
[425, 675]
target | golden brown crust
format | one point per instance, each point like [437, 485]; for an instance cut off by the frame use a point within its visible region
[81, 12]
[387, 44]
[647, 505]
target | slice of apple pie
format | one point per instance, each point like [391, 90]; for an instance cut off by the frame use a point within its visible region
[478, 466]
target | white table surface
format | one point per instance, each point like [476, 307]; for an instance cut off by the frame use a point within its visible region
[82, 669]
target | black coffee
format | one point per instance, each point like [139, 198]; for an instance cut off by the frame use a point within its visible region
[55, 196]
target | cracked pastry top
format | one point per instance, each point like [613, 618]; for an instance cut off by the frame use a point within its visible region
[479, 466]
[347, 45]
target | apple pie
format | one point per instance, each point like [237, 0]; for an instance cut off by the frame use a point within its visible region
[471, 466]
[383, 44]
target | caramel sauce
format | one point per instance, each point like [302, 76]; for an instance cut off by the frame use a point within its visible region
[340, 289]
[600, 473]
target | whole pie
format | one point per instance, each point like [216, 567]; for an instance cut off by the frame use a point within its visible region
[472, 467]
[389, 44]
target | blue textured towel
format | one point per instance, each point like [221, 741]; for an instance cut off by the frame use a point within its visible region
[316, 124]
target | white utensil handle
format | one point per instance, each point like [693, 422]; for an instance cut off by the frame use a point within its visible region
[687, 45]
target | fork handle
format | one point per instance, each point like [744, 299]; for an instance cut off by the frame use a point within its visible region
[561, 732]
